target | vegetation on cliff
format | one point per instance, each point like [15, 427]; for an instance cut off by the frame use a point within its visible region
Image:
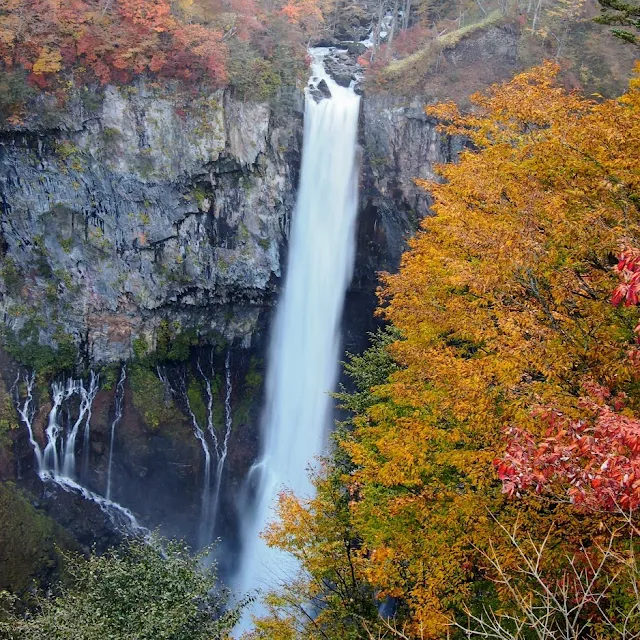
[441, 49]
[56, 46]
[492, 451]
[30, 544]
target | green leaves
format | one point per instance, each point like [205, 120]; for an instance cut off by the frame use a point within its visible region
[143, 591]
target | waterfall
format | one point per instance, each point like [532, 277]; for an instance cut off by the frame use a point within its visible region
[87, 397]
[204, 534]
[214, 447]
[223, 448]
[119, 406]
[305, 343]
[57, 462]
[26, 411]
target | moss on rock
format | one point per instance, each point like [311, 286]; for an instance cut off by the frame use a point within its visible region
[30, 543]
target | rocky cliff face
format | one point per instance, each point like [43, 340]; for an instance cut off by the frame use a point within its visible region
[150, 215]
[152, 207]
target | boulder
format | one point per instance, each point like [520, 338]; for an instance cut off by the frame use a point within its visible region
[320, 91]
[323, 87]
[356, 48]
[343, 79]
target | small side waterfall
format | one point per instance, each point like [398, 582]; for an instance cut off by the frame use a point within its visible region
[87, 397]
[204, 534]
[214, 440]
[222, 449]
[119, 406]
[305, 344]
[26, 411]
[57, 462]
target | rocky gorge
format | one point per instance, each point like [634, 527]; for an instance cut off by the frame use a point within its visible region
[146, 227]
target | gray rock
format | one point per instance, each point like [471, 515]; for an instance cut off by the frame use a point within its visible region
[343, 79]
[156, 209]
[320, 91]
[356, 48]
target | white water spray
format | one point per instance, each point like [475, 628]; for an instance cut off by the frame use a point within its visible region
[119, 406]
[57, 464]
[304, 350]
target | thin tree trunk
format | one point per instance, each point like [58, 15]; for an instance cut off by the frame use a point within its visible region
[392, 29]
[536, 15]
[406, 13]
[484, 11]
[376, 31]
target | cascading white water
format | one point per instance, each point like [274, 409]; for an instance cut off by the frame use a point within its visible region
[224, 447]
[119, 406]
[57, 462]
[304, 350]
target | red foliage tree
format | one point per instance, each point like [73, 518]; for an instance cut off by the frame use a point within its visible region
[113, 41]
[594, 461]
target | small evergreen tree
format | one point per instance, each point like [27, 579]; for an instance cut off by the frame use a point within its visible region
[621, 13]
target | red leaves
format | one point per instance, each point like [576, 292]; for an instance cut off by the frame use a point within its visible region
[628, 267]
[151, 15]
[628, 291]
[112, 41]
[595, 462]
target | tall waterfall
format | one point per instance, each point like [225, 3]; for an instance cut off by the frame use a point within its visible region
[305, 344]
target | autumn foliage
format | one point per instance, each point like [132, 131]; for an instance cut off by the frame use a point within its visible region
[594, 460]
[112, 40]
[511, 350]
[61, 44]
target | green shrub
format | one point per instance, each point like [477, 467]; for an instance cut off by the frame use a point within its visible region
[46, 360]
[145, 591]
[12, 276]
[15, 92]
[148, 395]
[29, 543]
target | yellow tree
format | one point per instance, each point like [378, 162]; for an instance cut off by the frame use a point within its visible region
[503, 303]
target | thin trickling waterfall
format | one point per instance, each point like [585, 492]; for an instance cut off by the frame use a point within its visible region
[214, 446]
[204, 533]
[26, 411]
[223, 447]
[305, 344]
[57, 462]
[119, 406]
[87, 397]
[60, 453]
